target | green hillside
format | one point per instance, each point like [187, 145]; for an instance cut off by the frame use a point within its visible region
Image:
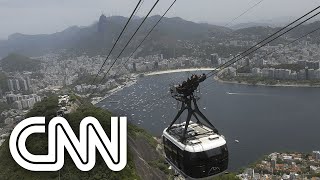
[37, 144]
[16, 62]
[231, 176]
[144, 161]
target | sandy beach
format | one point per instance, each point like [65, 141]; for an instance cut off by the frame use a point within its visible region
[130, 83]
[178, 70]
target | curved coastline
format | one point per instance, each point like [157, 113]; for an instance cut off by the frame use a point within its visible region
[201, 69]
[117, 89]
[113, 91]
[266, 85]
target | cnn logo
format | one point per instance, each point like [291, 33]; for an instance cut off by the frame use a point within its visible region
[61, 137]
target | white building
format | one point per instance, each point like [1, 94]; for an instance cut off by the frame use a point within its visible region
[17, 104]
[302, 75]
[314, 169]
[287, 159]
[249, 172]
[311, 74]
[282, 74]
[256, 71]
[268, 72]
[293, 176]
[316, 155]
[17, 85]
[10, 85]
[24, 103]
[293, 76]
[286, 177]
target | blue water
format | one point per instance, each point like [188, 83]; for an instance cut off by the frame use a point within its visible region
[263, 119]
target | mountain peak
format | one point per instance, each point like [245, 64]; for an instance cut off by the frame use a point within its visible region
[102, 18]
[102, 25]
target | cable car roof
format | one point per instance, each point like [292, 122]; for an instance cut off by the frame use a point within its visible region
[199, 138]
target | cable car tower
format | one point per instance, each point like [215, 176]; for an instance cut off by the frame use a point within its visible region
[195, 149]
[185, 93]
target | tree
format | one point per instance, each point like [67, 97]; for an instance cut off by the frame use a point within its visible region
[226, 177]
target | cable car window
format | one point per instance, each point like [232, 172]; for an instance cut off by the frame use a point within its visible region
[213, 152]
[197, 156]
[206, 154]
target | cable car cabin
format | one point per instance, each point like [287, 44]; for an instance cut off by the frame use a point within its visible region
[203, 154]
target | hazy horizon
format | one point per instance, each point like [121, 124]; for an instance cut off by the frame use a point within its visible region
[46, 17]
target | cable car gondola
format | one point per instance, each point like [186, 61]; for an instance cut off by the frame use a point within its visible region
[195, 150]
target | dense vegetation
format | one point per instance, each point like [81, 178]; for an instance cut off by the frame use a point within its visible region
[16, 62]
[37, 144]
[48, 108]
[4, 106]
[230, 176]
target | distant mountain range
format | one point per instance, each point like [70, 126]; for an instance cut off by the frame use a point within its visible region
[298, 32]
[99, 37]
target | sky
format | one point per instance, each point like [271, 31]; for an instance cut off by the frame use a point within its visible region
[50, 16]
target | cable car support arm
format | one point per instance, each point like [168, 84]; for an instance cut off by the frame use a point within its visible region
[192, 111]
